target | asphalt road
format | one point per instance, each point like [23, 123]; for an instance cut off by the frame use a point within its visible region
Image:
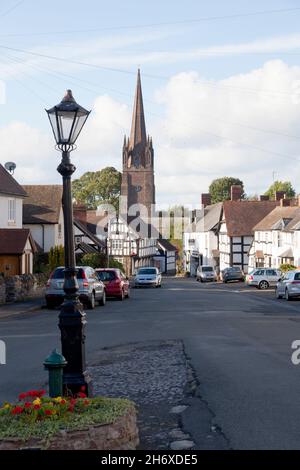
[238, 340]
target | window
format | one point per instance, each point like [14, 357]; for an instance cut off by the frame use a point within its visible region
[117, 244]
[271, 272]
[11, 211]
[261, 272]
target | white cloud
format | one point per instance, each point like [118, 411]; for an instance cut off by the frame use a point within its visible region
[214, 128]
[209, 129]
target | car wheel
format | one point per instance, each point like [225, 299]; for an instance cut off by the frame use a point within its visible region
[287, 295]
[278, 296]
[128, 294]
[122, 296]
[92, 302]
[263, 285]
[102, 301]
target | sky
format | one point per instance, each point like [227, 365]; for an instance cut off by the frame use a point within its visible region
[221, 86]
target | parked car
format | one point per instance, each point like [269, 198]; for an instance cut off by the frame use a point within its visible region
[91, 289]
[147, 277]
[115, 281]
[262, 278]
[289, 285]
[206, 274]
[233, 273]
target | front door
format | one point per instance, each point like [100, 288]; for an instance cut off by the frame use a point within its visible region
[9, 265]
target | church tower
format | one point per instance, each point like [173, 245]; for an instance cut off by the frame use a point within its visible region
[138, 158]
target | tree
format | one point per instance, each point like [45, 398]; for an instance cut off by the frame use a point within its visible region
[56, 257]
[94, 188]
[285, 186]
[220, 188]
[99, 260]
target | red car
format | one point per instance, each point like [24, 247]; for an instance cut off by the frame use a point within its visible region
[116, 283]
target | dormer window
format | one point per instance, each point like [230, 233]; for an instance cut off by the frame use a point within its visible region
[11, 212]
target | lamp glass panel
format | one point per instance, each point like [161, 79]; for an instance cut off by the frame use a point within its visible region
[79, 123]
[52, 119]
[65, 124]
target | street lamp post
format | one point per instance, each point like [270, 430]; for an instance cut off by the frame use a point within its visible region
[67, 120]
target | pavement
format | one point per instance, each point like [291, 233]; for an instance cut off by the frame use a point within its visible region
[19, 308]
[242, 390]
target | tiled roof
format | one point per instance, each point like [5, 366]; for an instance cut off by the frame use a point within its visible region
[43, 204]
[276, 216]
[211, 217]
[165, 244]
[86, 249]
[89, 234]
[8, 184]
[242, 216]
[13, 241]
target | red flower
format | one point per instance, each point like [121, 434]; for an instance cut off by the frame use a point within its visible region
[37, 407]
[28, 405]
[73, 401]
[83, 388]
[48, 412]
[41, 393]
[71, 408]
[63, 402]
[81, 395]
[86, 402]
[22, 396]
[17, 410]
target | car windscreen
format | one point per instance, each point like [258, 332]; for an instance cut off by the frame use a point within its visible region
[207, 269]
[59, 273]
[147, 271]
[106, 275]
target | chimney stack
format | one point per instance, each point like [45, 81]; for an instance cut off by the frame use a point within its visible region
[236, 192]
[279, 195]
[263, 197]
[205, 199]
[80, 213]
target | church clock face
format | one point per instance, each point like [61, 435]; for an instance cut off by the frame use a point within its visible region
[136, 161]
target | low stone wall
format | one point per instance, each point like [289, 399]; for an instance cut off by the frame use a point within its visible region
[121, 435]
[20, 288]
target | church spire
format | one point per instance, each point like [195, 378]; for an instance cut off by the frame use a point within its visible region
[138, 136]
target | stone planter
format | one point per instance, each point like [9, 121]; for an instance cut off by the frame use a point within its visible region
[120, 435]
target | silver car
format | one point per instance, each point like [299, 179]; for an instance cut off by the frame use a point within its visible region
[91, 289]
[147, 277]
[289, 285]
[206, 274]
[263, 278]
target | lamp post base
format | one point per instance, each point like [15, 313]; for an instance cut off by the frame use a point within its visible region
[74, 383]
[72, 326]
